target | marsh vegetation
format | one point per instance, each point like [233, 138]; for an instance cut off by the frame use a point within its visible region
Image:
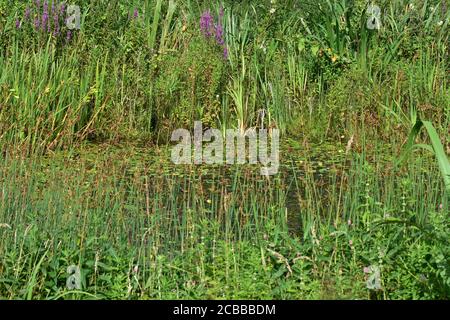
[86, 180]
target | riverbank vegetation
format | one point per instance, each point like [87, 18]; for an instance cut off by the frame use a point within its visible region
[358, 210]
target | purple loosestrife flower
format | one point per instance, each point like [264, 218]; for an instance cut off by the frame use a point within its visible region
[209, 28]
[36, 23]
[18, 24]
[45, 16]
[219, 34]
[27, 13]
[56, 23]
[206, 23]
[225, 53]
[136, 14]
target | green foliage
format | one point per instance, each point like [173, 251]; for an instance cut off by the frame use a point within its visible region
[140, 228]
[437, 149]
[188, 85]
[208, 233]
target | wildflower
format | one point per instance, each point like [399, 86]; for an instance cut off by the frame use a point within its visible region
[56, 23]
[349, 222]
[18, 24]
[56, 13]
[219, 34]
[136, 14]
[440, 23]
[366, 270]
[45, 16]
[272, 10]
[206, 23]
[69, 35]
[27, 13]
[209, 28]
[225, 53]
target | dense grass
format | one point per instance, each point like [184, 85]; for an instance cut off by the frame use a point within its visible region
[139, 233]
[85, 177]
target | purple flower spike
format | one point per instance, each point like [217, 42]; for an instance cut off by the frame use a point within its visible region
[56, 24]
[225, 53]
[45, 17]
[27, 13]
[219, 34]
[206, 23]
[18, 24]
[44, 21]
[136, 14]
[209, 28]
[69, 35]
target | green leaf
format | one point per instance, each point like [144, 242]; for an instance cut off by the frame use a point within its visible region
[437, 149]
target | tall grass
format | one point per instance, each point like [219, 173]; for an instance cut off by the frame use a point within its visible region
[343, 96]
[138, 231]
